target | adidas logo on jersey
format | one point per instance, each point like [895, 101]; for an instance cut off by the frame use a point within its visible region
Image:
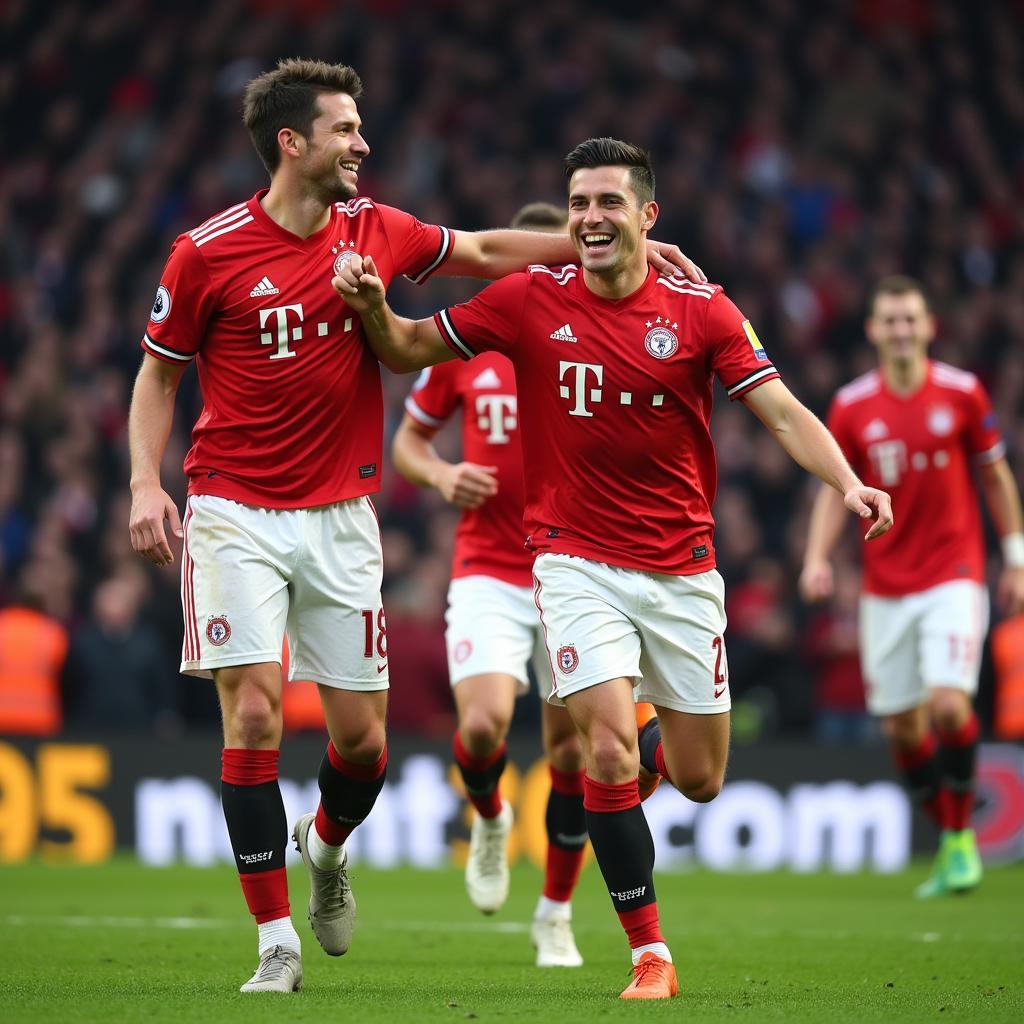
[564, 333]
[264, 288]
[876, 430]
[487, 379]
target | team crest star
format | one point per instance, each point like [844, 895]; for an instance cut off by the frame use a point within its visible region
[658, 321]
[675, 327]
[650, 323]
[334, 250]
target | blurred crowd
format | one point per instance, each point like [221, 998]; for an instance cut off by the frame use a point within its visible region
[801, 154]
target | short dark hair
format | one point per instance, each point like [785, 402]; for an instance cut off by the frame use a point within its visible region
[897, 284]
[287, 98]
[613, 153]
[540, 217]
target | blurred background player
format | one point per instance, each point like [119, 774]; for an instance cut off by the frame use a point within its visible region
[918, 428]
[614, 366]
[493, 629]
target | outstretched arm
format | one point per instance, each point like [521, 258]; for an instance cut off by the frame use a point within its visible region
[400, 344]
[808, 441]
[464, 484]
[1003, 502]
[493, 254]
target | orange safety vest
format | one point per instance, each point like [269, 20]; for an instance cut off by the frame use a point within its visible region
[300, 702]
[1008, 658]
[32, 651]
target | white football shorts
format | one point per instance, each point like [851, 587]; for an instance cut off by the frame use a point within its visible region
[250, 574]
[494, 626]
[912, 643]
[665, 632]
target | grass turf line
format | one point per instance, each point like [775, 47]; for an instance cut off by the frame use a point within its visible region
[121, 942]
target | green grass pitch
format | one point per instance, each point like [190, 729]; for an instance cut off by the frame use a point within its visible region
[126, 943]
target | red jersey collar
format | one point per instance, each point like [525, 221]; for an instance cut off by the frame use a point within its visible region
[625, 301]
[289, 238]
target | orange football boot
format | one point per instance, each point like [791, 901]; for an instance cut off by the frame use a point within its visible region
[653, 978]
[647, 782]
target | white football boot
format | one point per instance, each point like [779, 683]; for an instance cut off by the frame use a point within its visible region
[487, 867]
[280, 970]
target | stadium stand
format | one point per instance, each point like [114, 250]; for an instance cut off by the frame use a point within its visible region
[801, 155]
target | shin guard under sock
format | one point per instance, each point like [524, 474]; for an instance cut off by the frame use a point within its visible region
[652, 756]
[920, 769]
[254, 813]
[481, 775]
[625, 853]
[958, 754]
[567, 835]
[348, 792]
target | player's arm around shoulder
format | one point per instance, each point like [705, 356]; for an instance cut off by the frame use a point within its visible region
[463, 484]
[400, 344]
[810, 444]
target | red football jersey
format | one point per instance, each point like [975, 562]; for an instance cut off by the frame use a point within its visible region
[615, 404]
[292, 409]
[920, 448]
[489, 539]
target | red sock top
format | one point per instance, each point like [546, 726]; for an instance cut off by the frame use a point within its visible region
[471, 761]
[964, 736]
[359, 772]
[909, 758]
[241, 767]
[607, 797]
[567, 783]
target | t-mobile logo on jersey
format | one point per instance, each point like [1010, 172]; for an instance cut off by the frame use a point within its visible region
[283, 334]
[890, 461]
[496, 416]
[578, 392]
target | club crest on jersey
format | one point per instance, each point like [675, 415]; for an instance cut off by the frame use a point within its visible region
[567, 658]
[463, 649]
[342, 258]
[218, 630]
[161, 305]
[661, 342]
[940, 420]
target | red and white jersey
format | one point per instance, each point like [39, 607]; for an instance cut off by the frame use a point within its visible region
[292, 409]
[615, 405]
[489, 539]
[920, 448]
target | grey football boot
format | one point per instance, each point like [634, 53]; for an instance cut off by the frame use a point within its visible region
[332, 907]
[280, 970]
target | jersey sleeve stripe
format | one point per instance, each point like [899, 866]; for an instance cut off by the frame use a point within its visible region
[211, 235]
[751, 381]
[994, 454]
[418, 414]
[451, 336]
[162, 352]
[232, 213]
[705, 291]
[442, 254]
[350, 209]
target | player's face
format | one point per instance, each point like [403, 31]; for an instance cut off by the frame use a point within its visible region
[901, 327]
[607, 223]
[335, 149]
